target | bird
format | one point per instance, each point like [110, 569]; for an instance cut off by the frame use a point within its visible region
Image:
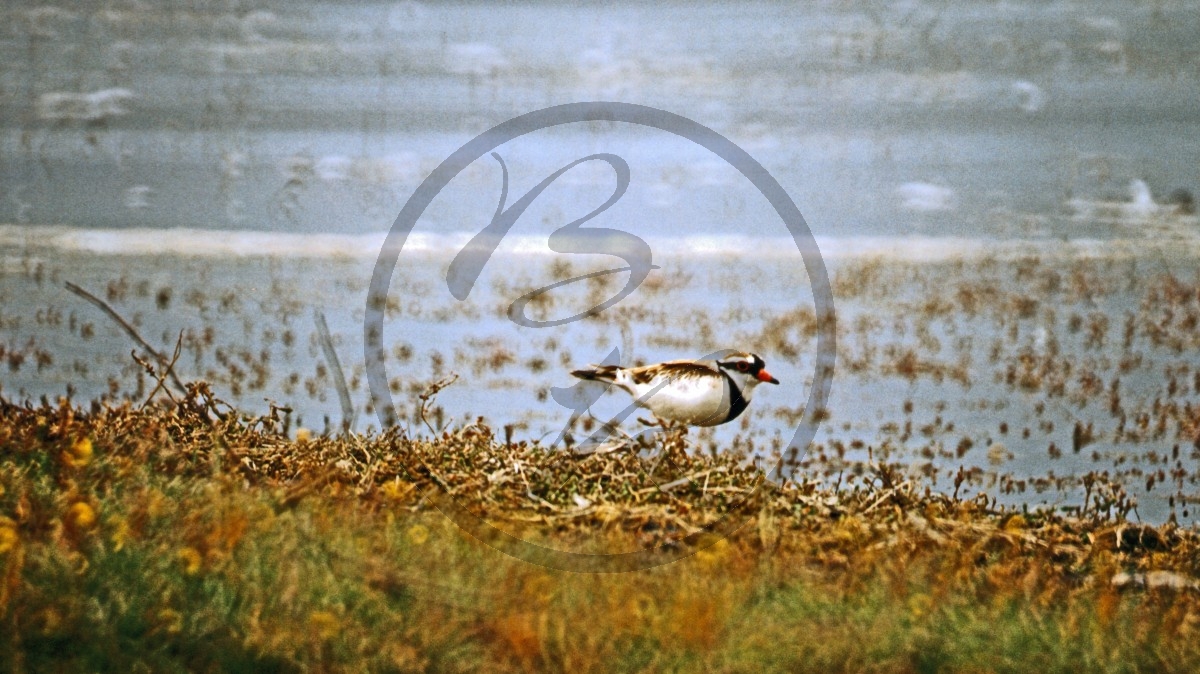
[1139, 207]
[692, 392]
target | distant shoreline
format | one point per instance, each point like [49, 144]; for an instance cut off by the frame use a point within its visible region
[253, 243]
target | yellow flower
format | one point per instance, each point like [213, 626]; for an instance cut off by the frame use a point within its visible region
[396, 490]
[171, 620]
[79, 454]
[8, 534]
[418, 534]
[1015, 523]
[303, 435]
[80, 516]
[919, 605]
[120, 534]
[324, 624]
[191, 559]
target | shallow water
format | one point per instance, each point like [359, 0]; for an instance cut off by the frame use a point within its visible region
[980, 360]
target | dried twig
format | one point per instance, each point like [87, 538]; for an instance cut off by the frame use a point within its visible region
[162, 359]
[682, 481]
[296, 493]
[161, 376]
[430, 393]
[339, 378]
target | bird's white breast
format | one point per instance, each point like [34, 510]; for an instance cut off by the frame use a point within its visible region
[698, 401]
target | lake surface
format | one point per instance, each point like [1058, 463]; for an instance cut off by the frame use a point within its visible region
[323, 117]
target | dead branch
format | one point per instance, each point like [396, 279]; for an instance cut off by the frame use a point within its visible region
[430, 393]
[159, 356]
[339, 378]
[161, 376]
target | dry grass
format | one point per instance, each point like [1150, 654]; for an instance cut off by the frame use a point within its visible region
[188, 537]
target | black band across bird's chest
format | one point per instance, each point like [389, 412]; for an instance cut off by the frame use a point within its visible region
[737, 402]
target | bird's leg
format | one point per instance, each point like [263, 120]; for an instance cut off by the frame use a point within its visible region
[610, 426]
[645, 436]
[614, 438]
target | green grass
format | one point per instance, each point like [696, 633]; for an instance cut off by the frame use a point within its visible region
[210, 544]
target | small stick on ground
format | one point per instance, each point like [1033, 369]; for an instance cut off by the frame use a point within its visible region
[161, 377]
[158, 355]
[430, 393]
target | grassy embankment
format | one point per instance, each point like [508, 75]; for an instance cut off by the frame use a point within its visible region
[184, 537]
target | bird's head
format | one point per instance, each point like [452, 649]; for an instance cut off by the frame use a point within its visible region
[747, 367]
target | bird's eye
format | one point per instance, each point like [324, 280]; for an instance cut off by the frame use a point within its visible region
[742, 367]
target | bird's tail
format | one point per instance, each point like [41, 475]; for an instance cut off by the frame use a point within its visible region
[606, 373]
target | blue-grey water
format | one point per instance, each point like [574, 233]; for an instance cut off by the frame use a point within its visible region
[322, 117]
[221, 170]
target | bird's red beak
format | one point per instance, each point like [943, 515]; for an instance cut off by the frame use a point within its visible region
[763, 375]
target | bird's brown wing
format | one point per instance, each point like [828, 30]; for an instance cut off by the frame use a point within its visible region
[675, 369]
